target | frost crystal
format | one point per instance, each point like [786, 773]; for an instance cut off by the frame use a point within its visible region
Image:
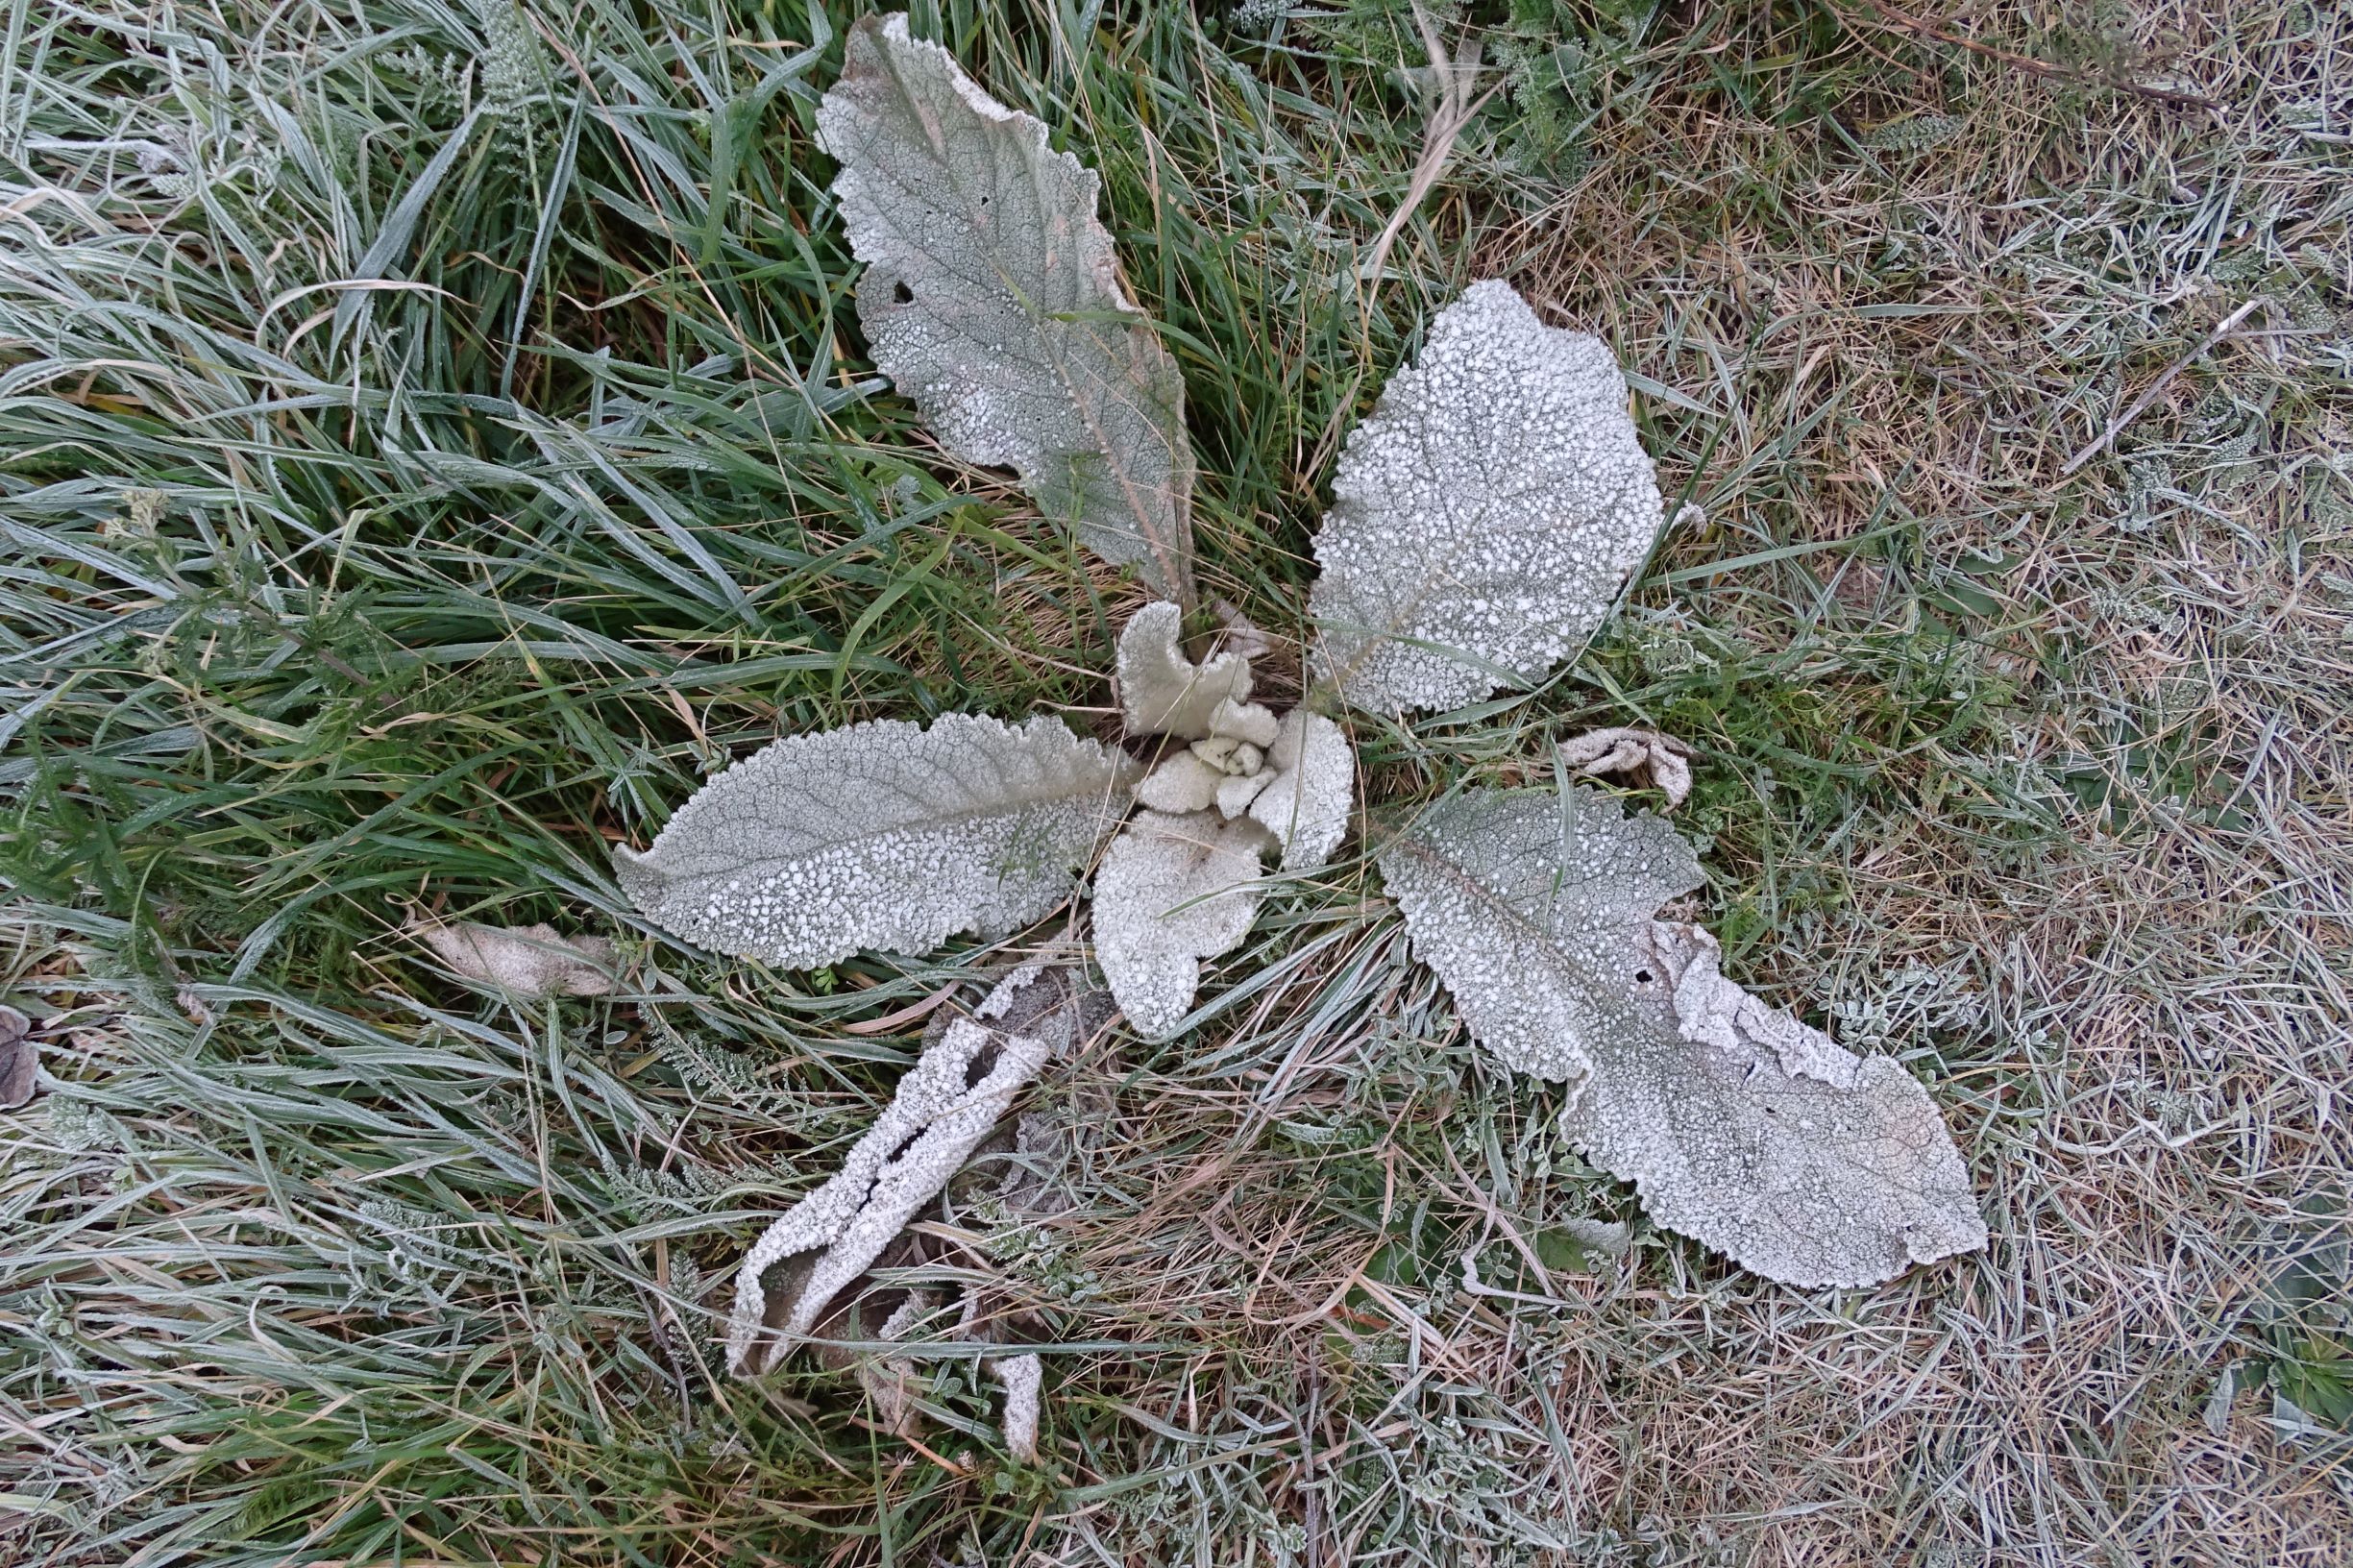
[530, 961]
[1644, 756]
[1305, 801]
[1737, 1124]
[991, 298]
[1484, 515]
[948, 1102]
[883, 835]
[1164, 693]
[1172, 891]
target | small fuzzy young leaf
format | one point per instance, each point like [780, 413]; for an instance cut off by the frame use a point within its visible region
[991, 299]
[1737, 1124]
[1304, 803]
[883, 835]
[1164, 693]
[1181, 784]
[530, 961]
[1172, 891]
[1484, 516]
[945, 1105]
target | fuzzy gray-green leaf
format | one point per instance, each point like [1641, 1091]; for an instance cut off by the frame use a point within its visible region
[991, 299]
[884, 834]
[1738, 1124]
[1484, 516]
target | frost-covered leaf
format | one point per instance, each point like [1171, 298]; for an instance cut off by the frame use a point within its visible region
[1045, 1001]
[1485, 514]
[1644, 756]
[946, 1104]
[530, 961]
[1172, 891]
[1746, 1129]
[1527, 904]
[1737, 1124]
[884, 834]
[1164, 693]
[991, 299]
[1306, 802]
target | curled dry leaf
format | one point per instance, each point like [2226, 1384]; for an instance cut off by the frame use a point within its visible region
[1644, 756]
[1737, 1124]
[991, 298]
[884, 834]
[20, 1060]
[1484, 515]
[530, 961]
[1160, 691]
[1172, 891]
[948, 1102]
[1041, 1000]
[1245, 638]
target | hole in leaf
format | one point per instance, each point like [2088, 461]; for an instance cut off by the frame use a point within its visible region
[902, 294]
[1643, 977]
[983, 1064]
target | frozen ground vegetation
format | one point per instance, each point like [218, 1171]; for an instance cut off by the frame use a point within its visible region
[1487, 514]
[446, 443]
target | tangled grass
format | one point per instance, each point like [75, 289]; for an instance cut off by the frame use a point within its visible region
[433, 434]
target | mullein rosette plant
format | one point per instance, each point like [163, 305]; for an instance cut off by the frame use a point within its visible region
[1485, 518]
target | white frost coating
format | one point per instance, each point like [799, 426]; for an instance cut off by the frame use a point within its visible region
[1306, 802]
[947, 1102]
[882, 835]
[1485, 514]
[1644, 755]
[991, 298]
[1164, 693]
[1022, 1378]
[530, 961]
[1172, 891]
[1737, 1124]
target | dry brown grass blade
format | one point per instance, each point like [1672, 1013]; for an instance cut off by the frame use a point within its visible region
[1452, 112]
